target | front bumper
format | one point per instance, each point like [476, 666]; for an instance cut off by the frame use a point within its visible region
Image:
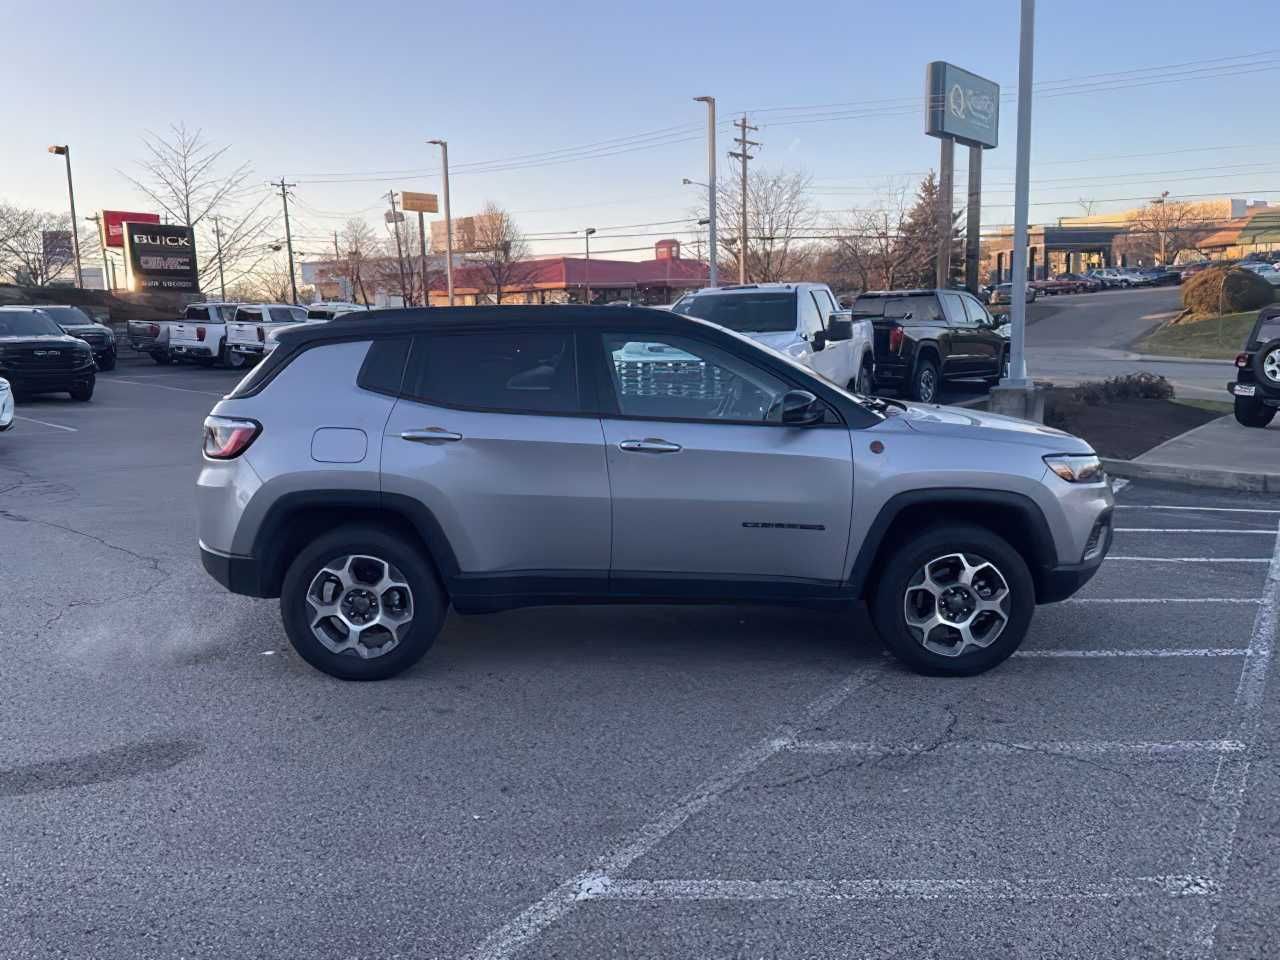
[48, 381]
[1057, 583]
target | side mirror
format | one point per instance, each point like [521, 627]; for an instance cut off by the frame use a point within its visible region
[818, 340]
[839, 327]
[800, 408]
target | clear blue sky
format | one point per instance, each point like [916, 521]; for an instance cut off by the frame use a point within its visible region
[352, 88]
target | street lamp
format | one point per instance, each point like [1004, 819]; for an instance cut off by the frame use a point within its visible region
[448, 219]
[586, 235]
[65, 151]
[711, 181]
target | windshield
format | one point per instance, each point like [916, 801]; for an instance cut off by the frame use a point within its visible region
[72, 316]
[27, 323]
[744, 312]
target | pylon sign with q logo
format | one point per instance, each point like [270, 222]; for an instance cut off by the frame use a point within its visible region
[961, 106]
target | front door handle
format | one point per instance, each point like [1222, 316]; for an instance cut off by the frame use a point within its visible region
[430, 435]
[650, 445]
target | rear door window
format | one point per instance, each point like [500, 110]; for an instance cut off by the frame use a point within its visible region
[954, 309]
[975, 312]
[502, 371]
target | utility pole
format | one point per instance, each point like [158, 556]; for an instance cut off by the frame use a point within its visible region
[395, 228]
[448, 219]
[744, 145]
[222, 279]
[713, 266]
[288, 237]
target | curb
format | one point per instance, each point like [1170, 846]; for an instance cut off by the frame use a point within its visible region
[1199, 476]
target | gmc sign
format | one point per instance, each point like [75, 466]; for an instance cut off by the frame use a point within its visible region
[160, 257]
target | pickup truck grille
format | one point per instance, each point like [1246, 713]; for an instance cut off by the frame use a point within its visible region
[41, 358]
[96, 340]
[692, 379]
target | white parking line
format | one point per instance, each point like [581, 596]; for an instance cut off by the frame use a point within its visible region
[161, 386]
[518, 932]
[1215, 839]
[1151, 506]
[46, 423]
[1066, 748]
[1178, 885]
[1195, 559]
[1135, 652]
[1161, 600]
[1265, 533]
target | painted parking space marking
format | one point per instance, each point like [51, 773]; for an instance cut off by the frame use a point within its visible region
[1245, 530]
[1066, 748]
[46, 423]
[1250, 600]
[1135, 652]
[1194, 559]
[1152, 506]
[1178, 885]
[161, 386]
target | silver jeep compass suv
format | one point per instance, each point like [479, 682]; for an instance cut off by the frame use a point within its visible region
[372, 472]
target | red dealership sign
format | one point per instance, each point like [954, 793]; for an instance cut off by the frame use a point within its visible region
[113, 225]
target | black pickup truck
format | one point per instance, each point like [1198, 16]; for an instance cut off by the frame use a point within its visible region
[924, 338]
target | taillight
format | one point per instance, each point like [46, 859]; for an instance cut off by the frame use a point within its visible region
[153, 330]
[262, 335]
[225, 438]
[1242, 359]
[200, 334]
[895, 339]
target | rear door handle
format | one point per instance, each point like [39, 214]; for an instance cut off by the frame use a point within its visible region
[650, 445]
[431, 435]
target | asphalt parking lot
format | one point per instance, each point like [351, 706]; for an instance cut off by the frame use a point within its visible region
[614, 781]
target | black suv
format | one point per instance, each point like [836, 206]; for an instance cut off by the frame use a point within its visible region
[37, 357]
[1257, 385]
[79, 324]
[926, 337]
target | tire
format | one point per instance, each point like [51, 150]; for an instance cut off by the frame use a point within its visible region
[926, 382]
[108, 362]
[401, 562]
[1252, 412]
[865, 382]
[83, 394]
[162, 359]
[232, 360]
[1266, 364]
[1004, 370]
[951, 553]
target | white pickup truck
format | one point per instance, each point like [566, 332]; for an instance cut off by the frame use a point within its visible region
[800, 320]
[248, 329]
[201, 335]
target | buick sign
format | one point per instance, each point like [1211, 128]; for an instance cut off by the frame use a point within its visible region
[160, 256]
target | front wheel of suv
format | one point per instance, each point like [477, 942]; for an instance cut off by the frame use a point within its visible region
[1252, 412]
[954, 601]
[925, 381]
[361, 603]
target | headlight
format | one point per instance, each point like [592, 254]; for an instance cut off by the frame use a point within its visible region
[1076, 469]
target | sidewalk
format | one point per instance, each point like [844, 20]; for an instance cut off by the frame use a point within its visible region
[1219, 454]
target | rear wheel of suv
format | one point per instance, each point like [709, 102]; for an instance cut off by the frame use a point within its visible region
[1252, 412]
[361, 603]
[954, 601]
[925, 381]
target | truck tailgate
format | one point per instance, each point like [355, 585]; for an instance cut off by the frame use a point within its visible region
[245, 333]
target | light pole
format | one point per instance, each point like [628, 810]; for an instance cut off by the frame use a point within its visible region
[65, 151]
[711, 184]
[586, 235]
[1021, 188]
[448, 219]
[1160, 201]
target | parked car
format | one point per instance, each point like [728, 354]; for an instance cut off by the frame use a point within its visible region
[77, 323]
[1160, 277]
[6, 405]
[1056, 285]
[1256, 389]
[1265, 270]
[151, 337]
[36, 356]
[247, 329]
[316, 313]
[924, 338]
[201, 335]
[372, 473]
[800, 320]
[1112, 277]
[1084, 282]
[1003, 293]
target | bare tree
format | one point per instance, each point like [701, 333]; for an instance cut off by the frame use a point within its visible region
[502, 253]
[24, 254]
[1164, 228]
[1087, 206]
[184, 175]
[780, 218]
[870, 240]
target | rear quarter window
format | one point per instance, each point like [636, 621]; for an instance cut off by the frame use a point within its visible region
[383, 367]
